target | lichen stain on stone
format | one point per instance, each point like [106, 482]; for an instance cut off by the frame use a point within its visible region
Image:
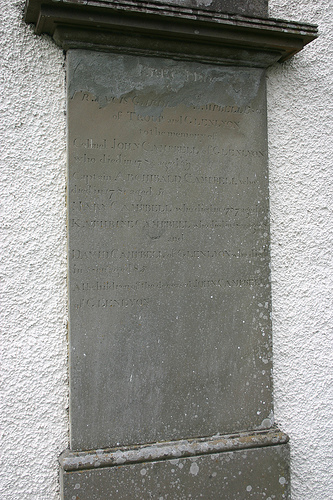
[194, 469]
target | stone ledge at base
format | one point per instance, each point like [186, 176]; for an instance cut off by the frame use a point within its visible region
[202, 468]
[246, 465]
[91, 459]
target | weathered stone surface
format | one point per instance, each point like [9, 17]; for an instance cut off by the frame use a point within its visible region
[256, 8]
[257, 474]
[170, 332]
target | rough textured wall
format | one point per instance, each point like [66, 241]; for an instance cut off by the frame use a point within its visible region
[33, 254]
[300, 98]
[33, 240]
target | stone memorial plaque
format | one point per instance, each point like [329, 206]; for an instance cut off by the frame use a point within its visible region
[168, 235]
[170, 332]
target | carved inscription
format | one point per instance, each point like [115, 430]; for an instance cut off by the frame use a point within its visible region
[174, 187]
[168, 248]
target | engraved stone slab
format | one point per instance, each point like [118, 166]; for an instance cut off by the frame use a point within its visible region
[256, 473]
[170, 332]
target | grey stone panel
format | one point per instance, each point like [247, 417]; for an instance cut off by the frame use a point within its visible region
[170, 333]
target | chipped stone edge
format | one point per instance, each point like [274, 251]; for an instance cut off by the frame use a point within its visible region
[110, 457]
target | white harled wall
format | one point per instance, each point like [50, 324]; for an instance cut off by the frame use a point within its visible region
[34, 389]
[33, 400]
[300, 126]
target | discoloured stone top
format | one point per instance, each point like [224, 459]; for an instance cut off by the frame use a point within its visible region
[254, 8]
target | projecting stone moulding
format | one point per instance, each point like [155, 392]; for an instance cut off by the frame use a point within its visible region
[168, 236]
[171, 30]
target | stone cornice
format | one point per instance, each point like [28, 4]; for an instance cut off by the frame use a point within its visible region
[168, 30]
